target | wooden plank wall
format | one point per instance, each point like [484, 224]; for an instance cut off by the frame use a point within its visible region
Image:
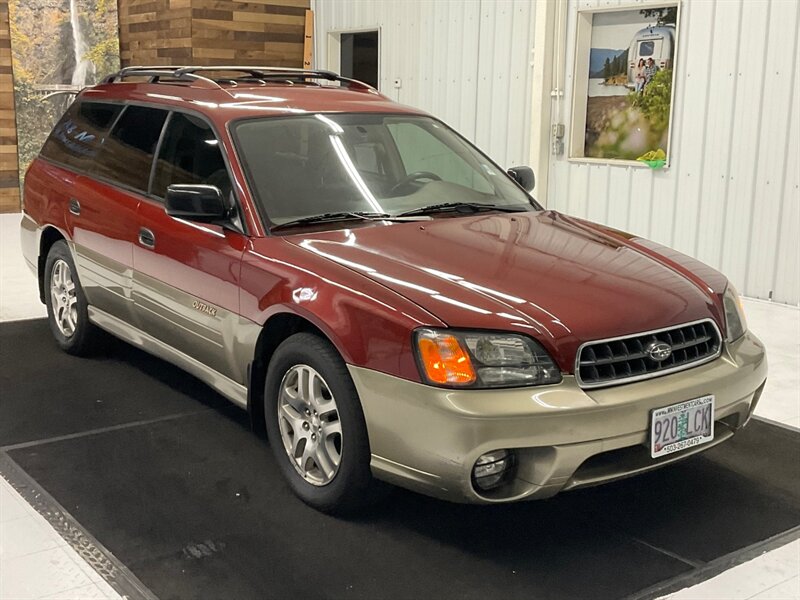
[155, 32]
[212, 32]
[9, 170]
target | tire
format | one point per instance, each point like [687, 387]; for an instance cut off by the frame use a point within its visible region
[332, 488]
[66, 304]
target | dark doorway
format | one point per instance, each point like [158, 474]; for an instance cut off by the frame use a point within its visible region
[359, 56]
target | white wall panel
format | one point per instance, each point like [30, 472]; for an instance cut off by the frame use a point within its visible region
[746, 125]
[731, 194]
[787, 268]
[467, 62]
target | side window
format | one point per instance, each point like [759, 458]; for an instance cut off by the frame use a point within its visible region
[127, 152]
[190, 153]
[78, 136]
[420, 150]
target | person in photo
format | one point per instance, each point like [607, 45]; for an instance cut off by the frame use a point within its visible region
[650, 70]
[639, 79]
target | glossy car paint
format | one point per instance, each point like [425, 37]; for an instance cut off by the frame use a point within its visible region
[368, 286]
[102, 248]
[368, 323]
[542, 274]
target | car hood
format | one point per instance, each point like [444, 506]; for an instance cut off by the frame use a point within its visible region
[559, 279]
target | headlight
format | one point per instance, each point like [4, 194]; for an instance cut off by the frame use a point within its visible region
[482, 359]
[734, 314]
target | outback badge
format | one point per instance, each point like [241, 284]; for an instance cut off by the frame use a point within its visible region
[204, 308]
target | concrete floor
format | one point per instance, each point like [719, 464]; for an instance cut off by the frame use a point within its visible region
[35, 562]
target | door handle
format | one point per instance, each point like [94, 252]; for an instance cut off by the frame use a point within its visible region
[74, 206]
[147, 238]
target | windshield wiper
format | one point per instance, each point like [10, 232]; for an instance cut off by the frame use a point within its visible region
[332, 217]
[459, 207]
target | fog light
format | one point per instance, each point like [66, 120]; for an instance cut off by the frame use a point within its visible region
[492, 469]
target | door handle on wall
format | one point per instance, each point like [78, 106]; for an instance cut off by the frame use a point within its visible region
[74, 206]
[147, 238]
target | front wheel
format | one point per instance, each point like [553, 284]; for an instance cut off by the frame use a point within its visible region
[316, 427]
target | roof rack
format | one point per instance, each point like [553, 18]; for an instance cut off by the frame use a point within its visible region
[261, 74]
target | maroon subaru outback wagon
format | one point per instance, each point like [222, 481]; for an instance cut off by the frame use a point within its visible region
[388, 301]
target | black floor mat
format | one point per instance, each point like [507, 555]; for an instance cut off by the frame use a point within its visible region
[48, 393]
[194, 505]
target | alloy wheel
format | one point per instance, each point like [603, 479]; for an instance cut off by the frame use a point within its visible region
[64, 300]
[310, 428]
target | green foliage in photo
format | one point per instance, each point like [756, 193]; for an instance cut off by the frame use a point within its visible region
[626, 127]
[655, 102]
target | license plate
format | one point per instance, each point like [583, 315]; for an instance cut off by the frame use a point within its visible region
[681, 426]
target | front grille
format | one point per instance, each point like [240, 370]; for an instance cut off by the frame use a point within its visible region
[619, 360]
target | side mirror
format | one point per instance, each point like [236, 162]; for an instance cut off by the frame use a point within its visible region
[196, 202]
[524, 177]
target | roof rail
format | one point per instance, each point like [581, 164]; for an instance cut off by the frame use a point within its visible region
[156, 73]
[190, 73]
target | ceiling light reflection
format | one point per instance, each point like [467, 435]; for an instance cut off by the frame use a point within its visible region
[491, 292]
[352, 171]
[461, 304]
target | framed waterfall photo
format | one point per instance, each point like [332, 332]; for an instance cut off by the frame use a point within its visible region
[58, 47]
[623, 91]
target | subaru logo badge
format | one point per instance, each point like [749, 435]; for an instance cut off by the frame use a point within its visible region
[658, 351]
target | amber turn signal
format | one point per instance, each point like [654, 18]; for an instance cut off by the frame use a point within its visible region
[443, 359]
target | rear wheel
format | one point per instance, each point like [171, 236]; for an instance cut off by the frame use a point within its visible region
[66, 303]
[316, 427]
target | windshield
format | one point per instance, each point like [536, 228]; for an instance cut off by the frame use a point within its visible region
[314, 164]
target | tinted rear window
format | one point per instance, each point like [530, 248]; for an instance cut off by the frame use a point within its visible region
[99, 114]
[127, 152]
[76, 139]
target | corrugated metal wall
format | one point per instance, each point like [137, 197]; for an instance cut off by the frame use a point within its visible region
[731, 195]
[468, 62]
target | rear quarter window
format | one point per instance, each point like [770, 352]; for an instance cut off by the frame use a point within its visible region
[76, 140]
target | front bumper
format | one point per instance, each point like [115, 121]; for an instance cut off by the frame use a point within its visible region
[428, 439]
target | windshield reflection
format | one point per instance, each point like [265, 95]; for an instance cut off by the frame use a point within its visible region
[303, 166]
